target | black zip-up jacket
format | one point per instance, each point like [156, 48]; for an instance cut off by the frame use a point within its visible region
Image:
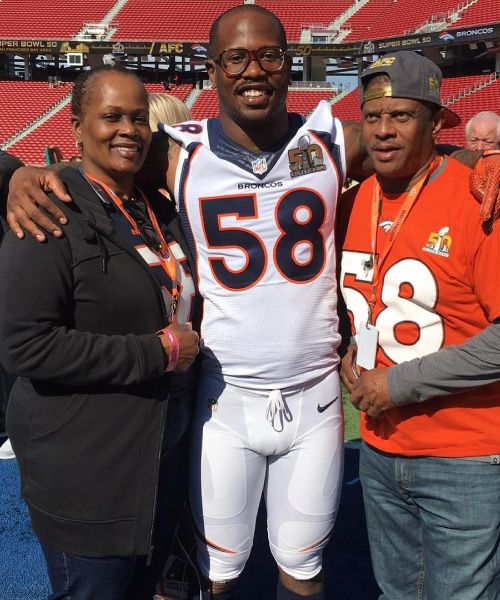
[78, 317]
[8, 164]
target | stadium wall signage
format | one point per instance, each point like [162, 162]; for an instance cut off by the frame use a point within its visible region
[98, 47]
[449, 37]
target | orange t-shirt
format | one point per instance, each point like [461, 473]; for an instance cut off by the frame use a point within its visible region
[439, 285]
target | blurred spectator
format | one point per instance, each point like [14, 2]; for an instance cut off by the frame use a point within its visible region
[164, 108]
[482, 131]
[53, 154]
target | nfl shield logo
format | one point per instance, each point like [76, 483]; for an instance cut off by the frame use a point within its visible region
[259, 166]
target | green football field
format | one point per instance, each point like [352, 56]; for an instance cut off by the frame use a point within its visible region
[351, 416]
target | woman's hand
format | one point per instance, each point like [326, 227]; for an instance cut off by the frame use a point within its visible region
[189, 345]
[27, 198]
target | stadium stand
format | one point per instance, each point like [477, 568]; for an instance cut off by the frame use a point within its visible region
[471, 102]
[172, 19]
[27, 103]
[362, 23]
[56, 19]
[179, 91]
[465, 95]
[206, 105]
[403, 16]
[55, 130]
[190, 21]
[480, 13]
[296, 14]
[304, 101]
[348, 107]
[23, 102]
[168, 19]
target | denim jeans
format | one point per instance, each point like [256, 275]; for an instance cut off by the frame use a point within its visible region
[433, 526]
[80, 578]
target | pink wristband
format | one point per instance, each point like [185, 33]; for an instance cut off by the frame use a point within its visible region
[173, 343]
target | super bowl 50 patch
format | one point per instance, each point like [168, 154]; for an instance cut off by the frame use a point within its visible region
[306, 158]
[439, 242]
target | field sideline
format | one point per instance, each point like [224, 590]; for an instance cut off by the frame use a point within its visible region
[351, 419]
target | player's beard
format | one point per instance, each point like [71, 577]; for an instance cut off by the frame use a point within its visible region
[248, 119]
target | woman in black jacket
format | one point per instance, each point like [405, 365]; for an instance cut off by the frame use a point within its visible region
[88, 322]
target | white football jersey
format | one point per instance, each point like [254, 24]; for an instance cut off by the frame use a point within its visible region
[263, 237]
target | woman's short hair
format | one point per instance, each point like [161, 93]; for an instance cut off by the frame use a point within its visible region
[83, 81]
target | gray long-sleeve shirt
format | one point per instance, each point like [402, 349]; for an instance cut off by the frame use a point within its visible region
[452, 369]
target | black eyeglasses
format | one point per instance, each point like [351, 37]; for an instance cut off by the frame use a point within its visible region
[236, 60]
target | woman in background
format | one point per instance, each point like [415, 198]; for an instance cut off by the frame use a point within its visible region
[165, 108]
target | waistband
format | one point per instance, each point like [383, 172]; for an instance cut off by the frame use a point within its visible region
[492, 459]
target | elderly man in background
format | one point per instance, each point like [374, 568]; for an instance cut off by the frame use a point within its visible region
[482, 131]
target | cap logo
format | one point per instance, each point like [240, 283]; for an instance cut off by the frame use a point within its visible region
[383, 62]
[433, 86]
[377, 92]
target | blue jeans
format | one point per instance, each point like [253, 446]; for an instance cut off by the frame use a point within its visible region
[433, 526]
[80, 578]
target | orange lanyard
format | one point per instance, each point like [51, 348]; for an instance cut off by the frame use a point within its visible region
[411, 197]
[164, 255]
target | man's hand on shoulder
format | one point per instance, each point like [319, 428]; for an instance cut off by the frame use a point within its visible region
[27, 198]
[359, 164]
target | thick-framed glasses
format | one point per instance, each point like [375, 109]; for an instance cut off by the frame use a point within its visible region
[236, 60]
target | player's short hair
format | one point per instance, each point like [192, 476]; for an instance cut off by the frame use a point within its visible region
[214, 29]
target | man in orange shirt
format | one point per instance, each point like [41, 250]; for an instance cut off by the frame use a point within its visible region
[419, 272]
